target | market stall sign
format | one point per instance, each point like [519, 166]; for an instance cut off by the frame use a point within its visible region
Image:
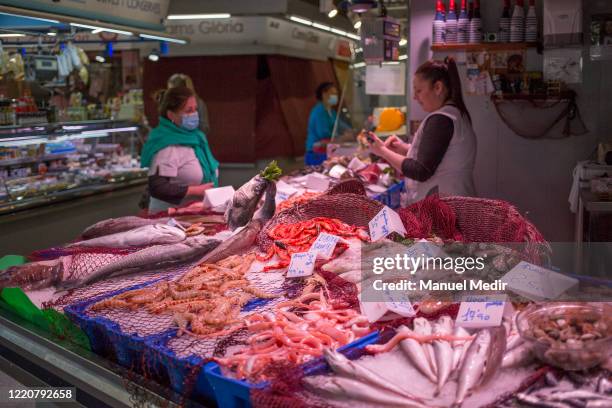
[398, 302]
[324, 245]
[284, 191]
[384, 223]
[537, 283]
[482, 311]
[302, 264]
[147, 14]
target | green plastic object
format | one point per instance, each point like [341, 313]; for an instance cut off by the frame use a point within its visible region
[11, 260]
[14, 300]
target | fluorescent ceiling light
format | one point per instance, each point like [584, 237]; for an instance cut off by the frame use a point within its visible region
[353, 36]
[390, 63]
[301, 20]
[51, 34]
[168, 39]
[95, 28]
[100, 58]
[99, 30]
[153, 57]
[333, 13]
[403, 42]
[359, 65]
[11, 35]
[321, 26]
[339, 32]
[47, 20]
[197, 16]
[403, 57]
[357, 25]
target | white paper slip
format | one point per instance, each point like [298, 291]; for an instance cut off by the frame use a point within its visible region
[373, 310]
[482, 311]
[324, 245]
[216, 197]
[302, 264]
[398, 302]
[357, 165]
[285, 189]
[537, 283]
[337, 171]
[317, 182]
[384, 223]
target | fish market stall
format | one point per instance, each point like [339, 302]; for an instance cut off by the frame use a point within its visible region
[268, 305]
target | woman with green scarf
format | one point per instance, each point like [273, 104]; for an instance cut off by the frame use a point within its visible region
[181, 165]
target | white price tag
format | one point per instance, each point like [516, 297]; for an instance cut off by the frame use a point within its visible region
[384, 223]
[302, 264]
[537, 283]
[399, 303]
[324, 245]
[217, 197]
[317, 182]
[285, 189]
[373, 310]
[482, 311]
[357, 165]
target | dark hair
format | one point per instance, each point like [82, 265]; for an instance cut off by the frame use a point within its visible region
[174, 99]
[447, 73]
[323, 87]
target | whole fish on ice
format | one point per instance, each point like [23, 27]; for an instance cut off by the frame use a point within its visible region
[121, 224]
[245, 201]
[151, 258]
[423, 327]
[415, 353]
[443, 350]
[473, 366]
[156, 234]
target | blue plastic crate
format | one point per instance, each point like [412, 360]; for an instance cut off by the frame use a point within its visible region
[392, 197]
[314, 159]
[232, 393]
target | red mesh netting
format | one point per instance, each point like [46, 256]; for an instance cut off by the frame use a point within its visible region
[430, 216]
[350, 186]
[54, 253]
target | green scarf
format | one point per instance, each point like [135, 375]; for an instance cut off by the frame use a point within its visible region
[168, 134]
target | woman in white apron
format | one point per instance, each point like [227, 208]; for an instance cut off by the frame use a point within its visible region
[442, 156]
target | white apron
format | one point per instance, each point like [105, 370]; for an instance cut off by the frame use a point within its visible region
[454, 175]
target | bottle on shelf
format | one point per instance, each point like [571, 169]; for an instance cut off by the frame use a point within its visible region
[439, 25]
[504, 23]
[531, 23]
[451, 24]
[475, 34]
[463, 24]
[517, 24]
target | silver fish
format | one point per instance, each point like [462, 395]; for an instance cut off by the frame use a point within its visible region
[473, 366]
[520, 356]
[578, 394]
[347, 368]
[460, 347]
[496, 354]
[513, 341]
[443, 350]
[246, 237]
[244, 202]
[346, 388]
[534, 401]
[422, 326]
[121, 224]
[150, 258]
[156, 234]
[415, 352]
[33, 275]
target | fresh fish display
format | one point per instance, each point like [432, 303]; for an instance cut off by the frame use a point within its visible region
[423, 327]
[534, 401]
[345, 367]
[121, 224]
[474, 365]
[460, 347]
[156, 234]
[443, 350]
[34, 275]
[346, 388]
[518, 356]
[150, 258]
[415, 352]
[245, 201]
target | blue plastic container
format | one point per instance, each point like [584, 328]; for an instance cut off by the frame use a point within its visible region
[392, 197]
[232, 393]
[314, 159]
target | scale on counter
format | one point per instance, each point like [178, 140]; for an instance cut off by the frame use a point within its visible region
[41, 68]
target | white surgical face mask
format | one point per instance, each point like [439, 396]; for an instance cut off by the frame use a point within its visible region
[333, 99]
[190, 121]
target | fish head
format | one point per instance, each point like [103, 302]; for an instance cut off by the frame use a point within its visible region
[244, 202]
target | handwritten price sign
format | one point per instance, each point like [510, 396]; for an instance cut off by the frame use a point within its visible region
[384, 223]
[324, 245]
[302, 264]
[481, 311]
[537, 283]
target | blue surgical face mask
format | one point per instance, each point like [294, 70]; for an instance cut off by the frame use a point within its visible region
[190, 121]
[332, 100]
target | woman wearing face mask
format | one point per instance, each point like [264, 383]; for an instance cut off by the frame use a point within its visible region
[184, 80]
[443, 152]
[181, 165]
[322, 118]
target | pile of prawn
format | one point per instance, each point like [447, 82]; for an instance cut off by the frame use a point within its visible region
[209, 297]
[294, 331]
[290, 202]
[289, 239]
